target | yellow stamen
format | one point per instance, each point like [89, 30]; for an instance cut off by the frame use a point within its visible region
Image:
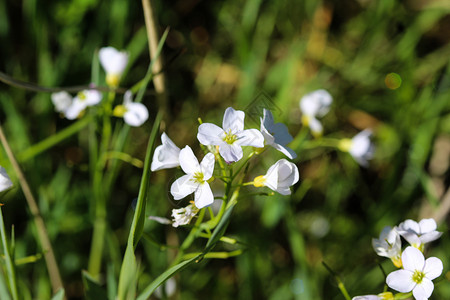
[119, 111]
[345, 145]
[397, 261]
[198, 177]
[418, 276]
[229, 137]
[112, 80]
[259, 181]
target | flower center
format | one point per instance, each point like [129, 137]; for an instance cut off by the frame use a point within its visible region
[198, 177]
[229, 137]
[82, 96]
[418, 276]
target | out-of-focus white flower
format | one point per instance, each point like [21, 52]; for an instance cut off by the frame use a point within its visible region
[160, 220]
[417, 274]
[313, 105]
[5, 181]
[169, 288]
[184, 215]
[232, 137]
[389, 245]
[382, 296]
[81, 101]
[276, 135]
[61, 100]
[114, 63]
[196, 178]
[165, 155]
[360, 147]
[279, 177]
[134, 114]
[418, 234]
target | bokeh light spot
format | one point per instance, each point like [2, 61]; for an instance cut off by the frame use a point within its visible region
[393, 81]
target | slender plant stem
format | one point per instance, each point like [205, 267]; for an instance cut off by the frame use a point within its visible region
[10, 267]
[50, 260]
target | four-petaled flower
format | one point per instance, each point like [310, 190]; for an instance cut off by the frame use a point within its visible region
[312, 105]
[279, 177]
[165, 155]
[418, 234]
[61, 100]
[5, 181]
[389, 245]
[417, 274]
[196, 178]
[184, 215]
[82, 100]
[276, 135]
[114, 63]
[134, 114]
[360, 147]
[231, 137]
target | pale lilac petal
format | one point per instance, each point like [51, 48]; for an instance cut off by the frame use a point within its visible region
[250, 137]
[210, 134]
[267, 120]
[203, 196]
[429, 237]
[183, 186]
[188, 161]
[233, 120]
[207, 166]
[5, 181]
[433, 268]
[412, 259]
[283, 190]
[366, 297]
[281, 134]
[423, 290]
[231, 153]
[136, 114]
[401, 280]
[427, 225]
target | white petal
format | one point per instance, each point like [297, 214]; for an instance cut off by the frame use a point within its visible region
[423, 290]
[136, 114]
[183, 186]
[427, 225]
[268, 137]
[231, 153]
[366, 297]
[283, 190]
[112, 60]
[433, 268]
[61, 100]
[409, 225]
[286, 151]
[207, 166]
[93, 97]
[250, 137]
[188, 161]
[281, 134]
[430, 236]
[272, 177]
[75, 109]
[210, 134]
[412, 259]
[361, 144]
[401, 280]
[203, 196]
[127, 97]
[233, 120]
[316, 103]
[165, 155]
[315, 125]
[5, 181]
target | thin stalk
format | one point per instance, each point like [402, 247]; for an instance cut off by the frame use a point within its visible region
[10, 267]
[339, 282]
[50, 260]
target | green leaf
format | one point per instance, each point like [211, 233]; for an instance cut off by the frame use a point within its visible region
[164, 276]
[219, 231]
[92, 289]
[59, 295]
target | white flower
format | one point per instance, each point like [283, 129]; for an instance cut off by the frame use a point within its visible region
[160, 220]
[389, 245]
[195, 180]
[165, 155]
[279, 177]
[231, 137]
[382, 296]
[312, 105]
[417, 274]
[134, 114]
[5, 181]
[276, 135]
[184, 215]
[81, 101]
[61, 100]
[114, 63]
[418, 234]
[360, 147]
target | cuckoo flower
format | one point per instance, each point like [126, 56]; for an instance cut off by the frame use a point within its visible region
[312, 105]
[360, 147]
[81, 101]
[134, 114]
[184, 215]
[5, 181]
[165, 155]
[114, 63]
[418, 234]
[389, 245]
[231, 136]
[382, 296]
[61, 100]
[279, 177]
[417, 274]
[196, 178]
[276, 134]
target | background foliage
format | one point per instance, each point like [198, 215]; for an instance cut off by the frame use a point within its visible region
[225, 53]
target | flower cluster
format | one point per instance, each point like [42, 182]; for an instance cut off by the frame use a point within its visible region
[224, 145]
[415, 273]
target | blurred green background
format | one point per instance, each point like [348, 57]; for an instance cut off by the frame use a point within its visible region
[227, 53]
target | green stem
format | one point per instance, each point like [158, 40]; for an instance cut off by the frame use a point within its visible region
[54, 139]
[339, 282]
[10, 267]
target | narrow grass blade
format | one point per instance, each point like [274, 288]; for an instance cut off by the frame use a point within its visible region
[93, 291]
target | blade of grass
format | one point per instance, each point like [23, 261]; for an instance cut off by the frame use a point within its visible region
[10, 267]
